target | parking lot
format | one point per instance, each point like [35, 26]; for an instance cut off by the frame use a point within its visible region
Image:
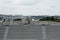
[30, 32]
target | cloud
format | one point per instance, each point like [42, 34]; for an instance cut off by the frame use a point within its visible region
[30, 7]
[19, 2]
[25, 2]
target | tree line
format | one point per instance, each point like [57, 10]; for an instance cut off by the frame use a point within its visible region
[52, 18]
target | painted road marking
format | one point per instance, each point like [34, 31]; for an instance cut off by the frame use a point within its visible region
[43, 32]
[25, 25]
[5, 34]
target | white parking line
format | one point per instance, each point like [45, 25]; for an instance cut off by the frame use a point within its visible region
[25, 25]
[43, 32]
[5, 34]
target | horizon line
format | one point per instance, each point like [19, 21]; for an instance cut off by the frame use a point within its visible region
[29, 15]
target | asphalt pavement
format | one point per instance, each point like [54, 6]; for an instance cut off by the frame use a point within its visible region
[30, 32]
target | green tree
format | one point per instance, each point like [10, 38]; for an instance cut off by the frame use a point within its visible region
[47, 18]
[52, 18]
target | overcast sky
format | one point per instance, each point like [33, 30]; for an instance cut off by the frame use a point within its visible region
[30, 7]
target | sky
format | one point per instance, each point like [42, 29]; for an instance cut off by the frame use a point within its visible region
[30, 7]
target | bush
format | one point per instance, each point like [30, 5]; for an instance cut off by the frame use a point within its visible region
[50, 19]
[58, 20]
[17, 19]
